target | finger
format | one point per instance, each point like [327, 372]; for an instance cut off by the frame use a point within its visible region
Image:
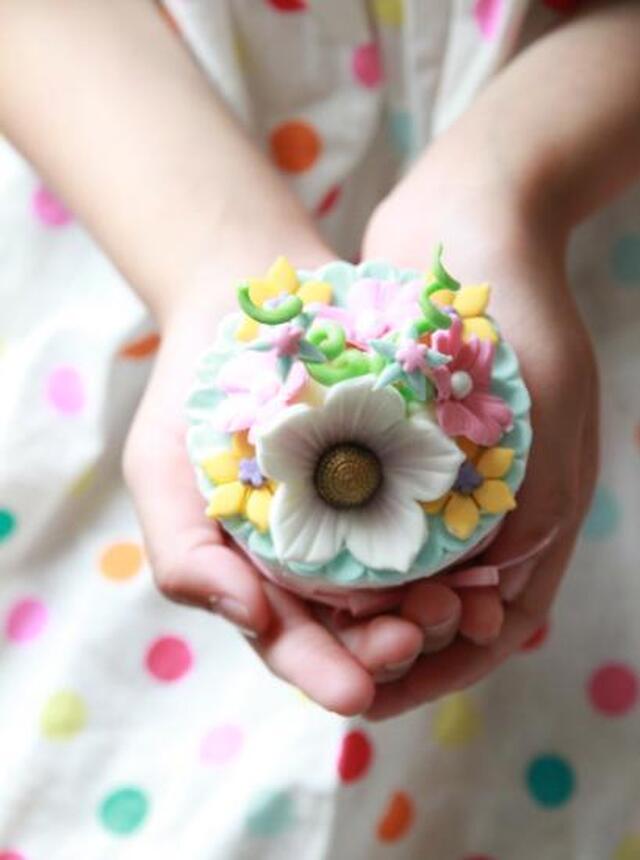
[434, 608]
[302, 652]
[189, 561]
[482, 615]
[386, 646]
[463, 663]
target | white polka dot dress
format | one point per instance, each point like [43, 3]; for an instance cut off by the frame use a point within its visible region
[131, 727]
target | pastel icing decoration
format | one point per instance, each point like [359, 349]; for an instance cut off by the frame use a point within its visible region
[359, 426]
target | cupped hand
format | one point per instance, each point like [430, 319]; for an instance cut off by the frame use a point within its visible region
[490, 233]
[333, 657]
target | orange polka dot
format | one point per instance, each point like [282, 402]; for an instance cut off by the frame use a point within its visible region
[295, 146]
[142, 347]
[121, 560]
[397, 818]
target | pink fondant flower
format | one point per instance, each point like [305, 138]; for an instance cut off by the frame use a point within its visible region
[412, 356]
[286, 339]
[373, 308]
[465, 405]
[255, 391]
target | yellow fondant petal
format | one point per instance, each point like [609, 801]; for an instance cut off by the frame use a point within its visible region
[283, 276]
[481, 327]
[315, 291]
[461, 516]
[444, 298]
[257, 508]
[436, 505]
[261, 289]
[247, 330]
[495, 462]
[241, 448]
[494, 497]
[472, 301]
[221, 468]
[227, 500]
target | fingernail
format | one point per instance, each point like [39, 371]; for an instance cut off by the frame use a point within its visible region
[532, 553]
[435, 631]
[513, 581]
[481, 575]
[234, 612]
[401, 667]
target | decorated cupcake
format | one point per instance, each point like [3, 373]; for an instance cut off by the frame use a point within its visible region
[358, 426]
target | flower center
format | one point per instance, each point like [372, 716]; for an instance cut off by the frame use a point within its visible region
[461, 384]
[249, 472]
[468, 480]
[347, 475]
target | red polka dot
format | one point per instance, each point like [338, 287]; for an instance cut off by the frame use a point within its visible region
[26, 620]
[295, 146]
[367, 65]
[288, 5]
[328, 202]
[613, 689]
[537, 639]
[565, 6]
[169, 658]
[48, 209]
[355, 756]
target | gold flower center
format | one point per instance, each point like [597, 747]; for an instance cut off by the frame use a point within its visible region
[347, 475]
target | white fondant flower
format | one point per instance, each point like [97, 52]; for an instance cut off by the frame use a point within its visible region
[351, 474]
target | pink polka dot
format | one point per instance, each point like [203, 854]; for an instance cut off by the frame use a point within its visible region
[168, 658]
[366, 65]
[65, 390]
[537, 639]
[11, 855]
[48, 209]
[488, 14]
[613, 689]
[26, 620]
[222, 744]
[328, 202]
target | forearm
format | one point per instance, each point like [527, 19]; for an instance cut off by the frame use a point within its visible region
[113, 112]
[553, 137]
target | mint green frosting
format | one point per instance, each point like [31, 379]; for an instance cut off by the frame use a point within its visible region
[441, 548]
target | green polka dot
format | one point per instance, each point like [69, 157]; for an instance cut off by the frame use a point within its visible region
[123, 811]
[625, 260]
[401, 132]
[7, 524]
[63, 716]
[270, 813]
[550, 780]
[604, 516]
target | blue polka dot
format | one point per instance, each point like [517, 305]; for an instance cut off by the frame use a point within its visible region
[604, 516]
[270, 813]
[625, 260]
[550, 780]
[401, 132]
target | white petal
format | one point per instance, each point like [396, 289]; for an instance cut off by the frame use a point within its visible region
[353, 411]
[388, 534]
[286, 449]
[419, 459]
[303, 528]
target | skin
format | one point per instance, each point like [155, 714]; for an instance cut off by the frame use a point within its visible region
[510, 187]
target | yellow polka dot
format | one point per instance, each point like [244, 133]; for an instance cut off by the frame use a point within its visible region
[121, 560]
[389, 12]
[456, 720]
[83, 481]
[628, 849]
[64, 715]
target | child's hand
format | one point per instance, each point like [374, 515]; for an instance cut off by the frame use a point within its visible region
[488, 235]
[332, 657]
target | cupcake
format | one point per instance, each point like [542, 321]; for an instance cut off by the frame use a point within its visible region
[358, 426]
